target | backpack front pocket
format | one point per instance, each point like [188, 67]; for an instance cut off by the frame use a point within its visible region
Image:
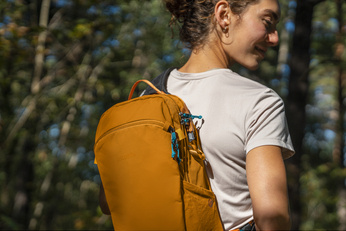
[141, 180]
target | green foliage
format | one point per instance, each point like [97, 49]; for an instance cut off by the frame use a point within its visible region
[323, 177]
[320, 196]
[84, 62]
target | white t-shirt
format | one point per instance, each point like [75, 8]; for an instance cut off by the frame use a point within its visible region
[239, 114]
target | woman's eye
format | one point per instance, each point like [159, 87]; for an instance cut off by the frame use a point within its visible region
[268, 23]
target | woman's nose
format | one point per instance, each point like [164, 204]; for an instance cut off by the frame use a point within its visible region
[273, 38]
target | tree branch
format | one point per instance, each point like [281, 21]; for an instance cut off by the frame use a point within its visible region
[22, 119]
[39, 57]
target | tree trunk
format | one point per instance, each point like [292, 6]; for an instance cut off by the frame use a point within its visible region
[297, 99]
[25, 170]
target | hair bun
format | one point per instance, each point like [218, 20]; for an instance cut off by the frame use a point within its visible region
[196, 17]
[179, 8]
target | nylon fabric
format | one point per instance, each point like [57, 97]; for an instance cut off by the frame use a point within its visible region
[147, 189]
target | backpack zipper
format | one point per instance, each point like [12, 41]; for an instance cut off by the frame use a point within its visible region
[160, 124]
[131, 124]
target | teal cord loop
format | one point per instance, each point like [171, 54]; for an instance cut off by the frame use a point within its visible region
[175, 147]
[185, 117]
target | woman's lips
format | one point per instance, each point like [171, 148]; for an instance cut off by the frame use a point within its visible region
[262, 51]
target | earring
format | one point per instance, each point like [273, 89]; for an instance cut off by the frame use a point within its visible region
[226, 31]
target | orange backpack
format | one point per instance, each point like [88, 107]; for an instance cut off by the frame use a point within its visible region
[152, 168]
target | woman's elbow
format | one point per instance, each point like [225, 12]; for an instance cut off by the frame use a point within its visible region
[273, 219]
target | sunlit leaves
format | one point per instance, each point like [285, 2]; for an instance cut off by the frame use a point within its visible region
[320, 196]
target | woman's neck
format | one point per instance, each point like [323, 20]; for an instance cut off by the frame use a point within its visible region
[206, 58]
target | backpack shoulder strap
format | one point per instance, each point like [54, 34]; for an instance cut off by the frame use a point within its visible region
[160, 82]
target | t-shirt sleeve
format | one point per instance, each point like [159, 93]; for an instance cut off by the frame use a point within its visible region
[266, 124]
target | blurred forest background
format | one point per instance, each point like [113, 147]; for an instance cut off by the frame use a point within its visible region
[64, 62]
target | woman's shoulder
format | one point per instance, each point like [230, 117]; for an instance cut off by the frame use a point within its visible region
[246, 83]
[222, 81]
[243, 85]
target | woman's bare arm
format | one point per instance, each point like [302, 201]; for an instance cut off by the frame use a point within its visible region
[266, 175]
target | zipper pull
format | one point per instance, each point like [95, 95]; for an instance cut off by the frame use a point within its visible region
[190, 136]
[186, 119]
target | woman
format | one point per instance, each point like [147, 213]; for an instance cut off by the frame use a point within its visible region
[244, 136]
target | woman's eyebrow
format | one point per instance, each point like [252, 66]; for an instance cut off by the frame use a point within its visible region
[275, 16]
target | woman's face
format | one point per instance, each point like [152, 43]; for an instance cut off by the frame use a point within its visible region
[252, 33]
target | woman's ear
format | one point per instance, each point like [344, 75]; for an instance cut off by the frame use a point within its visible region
[223, 14]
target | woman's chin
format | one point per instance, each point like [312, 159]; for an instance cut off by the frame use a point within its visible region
[251, 67]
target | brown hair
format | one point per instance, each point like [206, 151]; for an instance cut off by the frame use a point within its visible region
[195, 17]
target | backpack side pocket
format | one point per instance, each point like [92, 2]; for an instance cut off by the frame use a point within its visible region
[201, 212]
